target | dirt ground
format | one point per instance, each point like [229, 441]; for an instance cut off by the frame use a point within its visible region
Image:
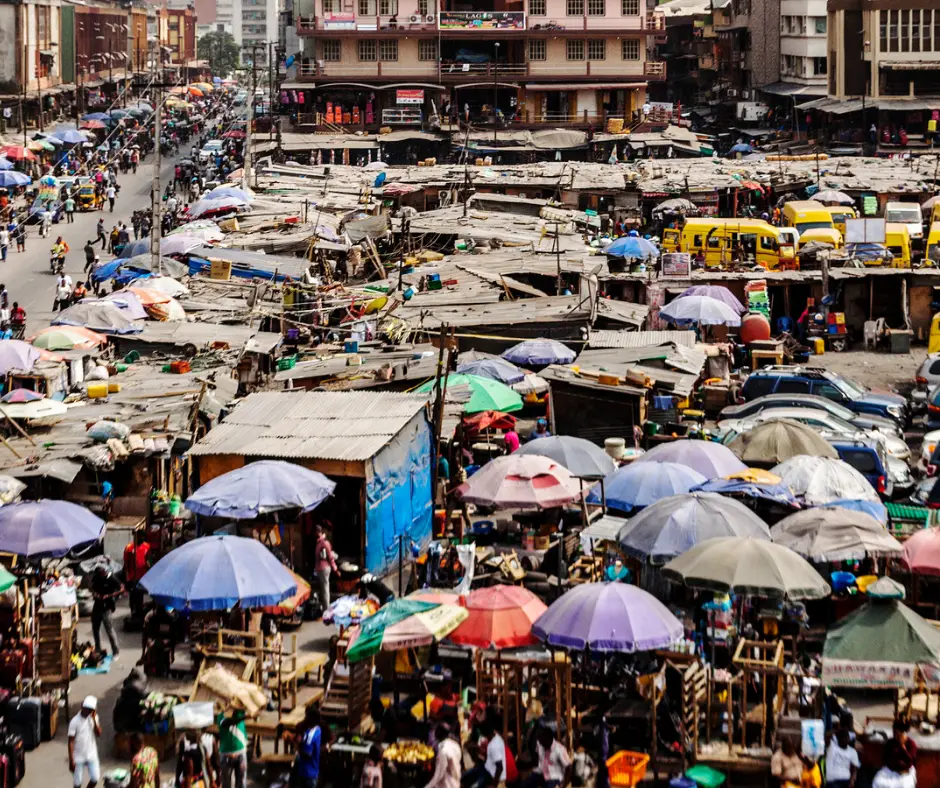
[875, 370]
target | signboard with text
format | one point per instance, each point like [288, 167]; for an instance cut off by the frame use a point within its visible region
[844, 673]
[409, 97]
[339, 21]
[677, 265]
[481, 20]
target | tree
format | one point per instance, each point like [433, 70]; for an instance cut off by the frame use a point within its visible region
[220, 49]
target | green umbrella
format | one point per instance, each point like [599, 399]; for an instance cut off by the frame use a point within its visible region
[7, 580]
[372, 630]
[485, 394]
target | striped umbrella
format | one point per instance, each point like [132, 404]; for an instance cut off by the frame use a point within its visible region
[518, 481]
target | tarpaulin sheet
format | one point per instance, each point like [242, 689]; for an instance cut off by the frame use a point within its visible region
[399, 497]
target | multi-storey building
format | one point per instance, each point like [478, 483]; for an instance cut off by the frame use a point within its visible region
[260, 27]
[749, 46]
[537, 61]
[803, 51]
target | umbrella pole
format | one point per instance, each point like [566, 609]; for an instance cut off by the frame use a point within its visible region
[603, 498]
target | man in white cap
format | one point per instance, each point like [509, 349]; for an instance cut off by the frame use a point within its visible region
[84, 730]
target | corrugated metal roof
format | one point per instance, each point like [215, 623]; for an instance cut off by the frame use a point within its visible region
[625, 339]
[352, 425]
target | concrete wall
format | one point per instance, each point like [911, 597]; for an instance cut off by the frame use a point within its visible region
[9, 63]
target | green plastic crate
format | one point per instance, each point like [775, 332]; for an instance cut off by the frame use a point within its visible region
[705, 776]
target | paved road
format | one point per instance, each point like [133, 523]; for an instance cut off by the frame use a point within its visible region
[26, 274]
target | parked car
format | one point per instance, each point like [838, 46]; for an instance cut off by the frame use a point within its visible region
[862, 421]
[926, 380]
[824, 423]
[871, 460]
[933, 408]
[823, 383]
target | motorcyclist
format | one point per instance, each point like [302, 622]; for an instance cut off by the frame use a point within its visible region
[59, 249]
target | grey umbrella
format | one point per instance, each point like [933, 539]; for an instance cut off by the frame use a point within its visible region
[673, 525]
[582, 458]
[835, 534]
[102, 316]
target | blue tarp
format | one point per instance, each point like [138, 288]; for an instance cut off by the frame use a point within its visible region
[399, 497]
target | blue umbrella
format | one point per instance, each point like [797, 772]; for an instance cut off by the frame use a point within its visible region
[217, 573]
[259, 488]
[71, 136]
[134, 248]
[539, 352]
[47, 529]
[494, 369]
[632, 246]
[701, 310]
[14, 178]
[641, 484]
[742, 147]
[102, 116]
[674, 525]
[778, 493]
[875, 508]
[217, 80]
[228, 191]
[6, 164]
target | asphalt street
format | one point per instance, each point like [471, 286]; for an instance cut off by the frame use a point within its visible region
[27, 275]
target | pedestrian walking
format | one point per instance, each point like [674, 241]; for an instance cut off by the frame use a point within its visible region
[111, 194]
[19, 235]
[84, 731]
[45, 221]
[89, 255]
[113, 238]
[145, 764]
[105, 589]
[325, 563]
[70, 209]
[101, 235]
[4, 243]
[135, 223]
[233, 748]
[63, 293]
[307, 760]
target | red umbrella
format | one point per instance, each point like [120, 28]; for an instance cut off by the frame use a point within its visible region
[922, 552]
[500, 617]
[487, 419]
[521, 481]
[235, 134]
[18, 153]
[92, 124]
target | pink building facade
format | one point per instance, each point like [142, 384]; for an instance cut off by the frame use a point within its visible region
[539, 62]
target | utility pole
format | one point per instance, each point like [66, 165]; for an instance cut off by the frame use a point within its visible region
[556, 248]
[156, 201]
[246, 170]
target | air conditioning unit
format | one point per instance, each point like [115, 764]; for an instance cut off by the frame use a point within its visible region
[430, 19]
[732, 93]
[414, 19]
[746, 95]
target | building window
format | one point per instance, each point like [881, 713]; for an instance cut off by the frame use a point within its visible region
[427, 50]
[367, 50]
[630, 7]
[332, 51]
[575, 50]
[330, 6]
[915, 30]
[423, 7]
[925, 29]
[366, 7]
[820, 67]
[388, 50]
[630, 49]
[597, 7]
[574, 7]
[596, 49]
[883, 30]
[388, 7]
[536, 7]
[905, 28]
[537, 49]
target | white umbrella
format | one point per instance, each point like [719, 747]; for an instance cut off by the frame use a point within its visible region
[820, 480]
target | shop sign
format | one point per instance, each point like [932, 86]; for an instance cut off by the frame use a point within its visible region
[409, 97]
[339, 21]
[677, 265]
[481, 20]
[845, 673]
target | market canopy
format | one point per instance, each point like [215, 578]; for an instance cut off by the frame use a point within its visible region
[518, 481]
[676, 524]
[608, 617]
[640, 484]
[762, 491]
[494, 369]
[582, 458]
[751, 567]
[719, 293]
[482, 393]
[708, 458]
[372, 630]
[819, 480]
[47, 528]
[922, 552]
[777, 440]
[632, 247]
[539, 353]
[67, 338]
[17, 354]
[499, 617]
[699, 310]
[260, 488]
[101, 316]
[834, 534]
[217, 573]
[883, 644]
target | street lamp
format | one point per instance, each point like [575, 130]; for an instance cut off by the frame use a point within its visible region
[495, 88]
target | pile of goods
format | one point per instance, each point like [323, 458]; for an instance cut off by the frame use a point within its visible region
[409, 752]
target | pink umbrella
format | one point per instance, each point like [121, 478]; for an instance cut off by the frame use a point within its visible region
[16, 354]
[521, 481]
[21, 395]
[922, 552]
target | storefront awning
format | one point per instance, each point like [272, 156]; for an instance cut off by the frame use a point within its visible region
[297, 85]
[793, 89]
[586, 86]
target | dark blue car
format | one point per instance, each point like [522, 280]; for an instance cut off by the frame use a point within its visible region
[823, 383]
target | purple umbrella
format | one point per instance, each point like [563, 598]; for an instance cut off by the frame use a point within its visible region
[128, 303]
[539, 353]
[709, 459]
[47, 529]
[21, 395]
[717, 292]
[16, 354]
[608, 617]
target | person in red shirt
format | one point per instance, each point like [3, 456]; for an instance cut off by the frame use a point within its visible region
[325, 563]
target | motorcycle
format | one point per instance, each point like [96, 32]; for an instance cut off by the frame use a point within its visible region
[57, 264]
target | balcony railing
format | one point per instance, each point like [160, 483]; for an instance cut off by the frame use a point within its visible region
[486, 22]
[482, 21]
[485, 72]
